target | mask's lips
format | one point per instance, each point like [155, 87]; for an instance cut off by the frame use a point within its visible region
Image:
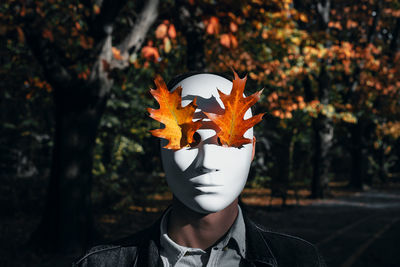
[204, 181]
[206, 185]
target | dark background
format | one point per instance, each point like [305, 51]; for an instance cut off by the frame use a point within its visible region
[78, 165]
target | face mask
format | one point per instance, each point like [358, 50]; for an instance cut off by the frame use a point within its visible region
[207, 177]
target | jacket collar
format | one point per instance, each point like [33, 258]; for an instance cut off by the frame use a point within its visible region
[149, 247]
[257, 249]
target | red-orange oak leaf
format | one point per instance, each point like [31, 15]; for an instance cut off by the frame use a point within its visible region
[179, 127]
[231, 124]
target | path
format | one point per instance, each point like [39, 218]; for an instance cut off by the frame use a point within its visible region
[353, 231]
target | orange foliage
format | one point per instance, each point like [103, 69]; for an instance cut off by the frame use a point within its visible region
[21, 35]
[161, 31]
[96, 9]
[213, 25]
[165, 29]
[36, 83]
[116, 53]
[84, 74]
[85, 41]
[233, 27]
[228, 40]
[150, 53]
[48, 35]
[172, 31]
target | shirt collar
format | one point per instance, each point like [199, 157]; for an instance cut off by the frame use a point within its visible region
[238, 233]
[175, 252]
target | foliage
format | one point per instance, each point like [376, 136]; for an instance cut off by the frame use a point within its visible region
[291, 48]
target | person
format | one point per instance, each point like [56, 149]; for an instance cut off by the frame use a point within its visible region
[205, 226]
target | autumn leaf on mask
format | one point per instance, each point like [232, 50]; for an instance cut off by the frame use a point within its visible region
[231, 124]
[179, 127]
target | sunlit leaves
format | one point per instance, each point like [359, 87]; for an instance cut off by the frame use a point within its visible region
[34, 84]
[161, 31]
[228, 40]
[116, 53]
[150, 52]
[390, 129]
[213, 26]
[165, 29]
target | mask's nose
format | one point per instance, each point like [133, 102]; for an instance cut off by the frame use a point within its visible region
[206, 158]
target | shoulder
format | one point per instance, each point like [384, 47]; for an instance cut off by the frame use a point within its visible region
[290, 250]
[122, 252]
[102, 255]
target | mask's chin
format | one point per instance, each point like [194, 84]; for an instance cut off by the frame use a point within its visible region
[210, 205]
[205, 204]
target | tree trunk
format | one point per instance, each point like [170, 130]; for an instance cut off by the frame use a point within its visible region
[358, 159]
[282, 168]
[67, 224]
[322, 126]
[192, 26]
[323, 137]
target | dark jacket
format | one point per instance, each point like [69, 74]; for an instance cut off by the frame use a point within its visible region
[263, 248]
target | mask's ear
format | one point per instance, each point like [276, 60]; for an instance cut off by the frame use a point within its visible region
[254, 148]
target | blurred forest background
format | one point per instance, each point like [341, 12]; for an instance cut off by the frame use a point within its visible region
[75, 79]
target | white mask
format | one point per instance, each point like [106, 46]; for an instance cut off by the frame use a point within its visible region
[208, 177]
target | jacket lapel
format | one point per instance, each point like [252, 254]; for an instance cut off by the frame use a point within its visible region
[257, 249]
[149, 248]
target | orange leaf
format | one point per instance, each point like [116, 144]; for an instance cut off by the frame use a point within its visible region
[179, 127]
[231, 124]
[22, 13]
[172, 31]
[96, 9]
[116, 53]
[21, 35]
[303, 18]
[213, 26]
[150, 53]
[233, 27]
[225, 40]
[161, 31]
[85, 42]
[48, 35]
[233, 40]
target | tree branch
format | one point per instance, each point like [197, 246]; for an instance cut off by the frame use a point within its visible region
[324, 10]
[135, 38]
[190, 23]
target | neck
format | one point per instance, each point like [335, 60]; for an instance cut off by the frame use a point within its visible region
[196, 230]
